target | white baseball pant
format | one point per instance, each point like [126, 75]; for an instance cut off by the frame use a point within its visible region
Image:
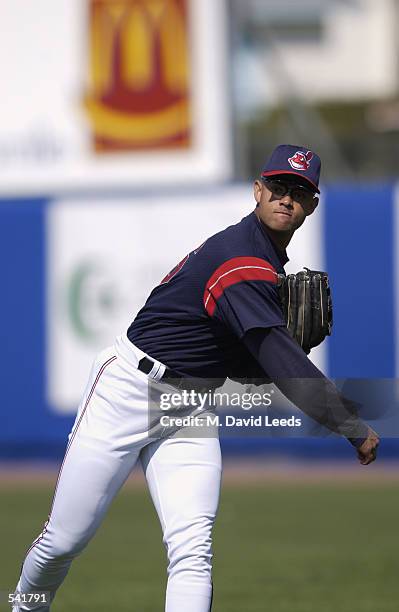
[109, 436]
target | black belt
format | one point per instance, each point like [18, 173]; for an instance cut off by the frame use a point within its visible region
[146, 365]
[176, 380]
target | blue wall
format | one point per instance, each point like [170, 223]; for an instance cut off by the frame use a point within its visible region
[359, 239]
[359, 232]
[28, 427]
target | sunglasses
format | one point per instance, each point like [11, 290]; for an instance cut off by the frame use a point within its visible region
[297, 192]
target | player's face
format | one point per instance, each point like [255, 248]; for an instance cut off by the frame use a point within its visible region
[283, 203]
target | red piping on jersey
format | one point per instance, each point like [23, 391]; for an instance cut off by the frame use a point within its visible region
[43, 533]
[236, 270]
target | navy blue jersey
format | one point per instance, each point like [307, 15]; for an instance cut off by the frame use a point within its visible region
[194, 320]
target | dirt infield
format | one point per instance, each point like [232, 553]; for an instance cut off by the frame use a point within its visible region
[241, 472]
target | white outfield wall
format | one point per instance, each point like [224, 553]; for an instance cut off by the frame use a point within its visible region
[105, 255]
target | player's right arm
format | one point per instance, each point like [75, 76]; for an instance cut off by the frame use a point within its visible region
[306, 386]
[242, 294]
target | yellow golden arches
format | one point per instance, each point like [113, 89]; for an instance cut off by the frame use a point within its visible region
[106, 22]
[137, 49]
[136, 23]
[100, 53]
[139, 30]
[157, 9]
[174, 49]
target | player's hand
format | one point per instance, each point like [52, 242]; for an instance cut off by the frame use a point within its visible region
[367, 452]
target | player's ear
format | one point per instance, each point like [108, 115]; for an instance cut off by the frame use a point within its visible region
[258, 190]
[314, 205]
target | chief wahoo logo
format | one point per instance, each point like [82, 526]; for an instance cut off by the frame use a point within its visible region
[301, 160]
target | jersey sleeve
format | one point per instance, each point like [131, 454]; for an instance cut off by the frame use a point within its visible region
[242, 294]
[304, 384]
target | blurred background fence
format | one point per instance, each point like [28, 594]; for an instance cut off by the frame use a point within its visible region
[130, 130]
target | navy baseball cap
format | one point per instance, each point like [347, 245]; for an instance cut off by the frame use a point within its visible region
[297, 160]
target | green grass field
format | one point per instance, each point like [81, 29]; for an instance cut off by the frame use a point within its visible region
[278, 547]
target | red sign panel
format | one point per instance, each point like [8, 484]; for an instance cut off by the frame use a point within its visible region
[139, 75]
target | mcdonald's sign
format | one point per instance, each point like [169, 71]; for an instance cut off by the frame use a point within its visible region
[138, 93]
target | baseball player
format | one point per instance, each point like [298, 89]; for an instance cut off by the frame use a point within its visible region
[217, 308]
